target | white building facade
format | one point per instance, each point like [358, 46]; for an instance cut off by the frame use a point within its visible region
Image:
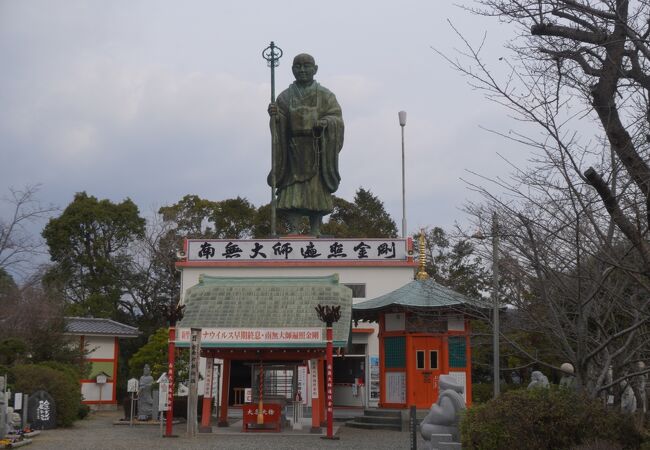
[369, 267]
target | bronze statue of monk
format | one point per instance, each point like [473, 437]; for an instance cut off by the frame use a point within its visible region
[309, 131]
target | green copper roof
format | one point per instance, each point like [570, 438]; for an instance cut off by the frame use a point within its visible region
[266, 302]
[417, 293]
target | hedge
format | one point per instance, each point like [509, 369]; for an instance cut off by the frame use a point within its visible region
[60, 384]
[545, 419]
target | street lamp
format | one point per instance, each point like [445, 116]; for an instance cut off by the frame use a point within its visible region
[402, 123]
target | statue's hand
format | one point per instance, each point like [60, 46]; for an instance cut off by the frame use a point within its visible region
[273, 109]
[321, 125]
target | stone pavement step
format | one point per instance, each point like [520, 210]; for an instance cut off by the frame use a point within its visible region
[378, 419]
[382, 413]
[374, 425]
[449, 446]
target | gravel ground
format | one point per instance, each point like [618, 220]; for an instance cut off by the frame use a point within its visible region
[98, 432]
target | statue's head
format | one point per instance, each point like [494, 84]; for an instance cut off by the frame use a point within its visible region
[449, 382]
[567, 368]
[536, 376]
[146, 370]
[304, 68]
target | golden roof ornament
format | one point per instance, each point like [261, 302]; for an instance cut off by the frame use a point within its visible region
[422, 273]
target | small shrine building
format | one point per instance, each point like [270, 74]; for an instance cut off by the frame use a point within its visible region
[100, 338]
[424, 332]
[269, 325]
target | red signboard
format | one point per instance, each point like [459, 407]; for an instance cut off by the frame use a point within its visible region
[272, 413]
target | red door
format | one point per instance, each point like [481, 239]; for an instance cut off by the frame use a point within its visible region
[426, 362]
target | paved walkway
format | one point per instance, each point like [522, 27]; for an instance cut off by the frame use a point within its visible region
[98, 432]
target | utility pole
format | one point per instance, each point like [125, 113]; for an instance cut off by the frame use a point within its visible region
[495, 303]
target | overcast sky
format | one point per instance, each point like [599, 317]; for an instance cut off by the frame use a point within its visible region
[153, 100]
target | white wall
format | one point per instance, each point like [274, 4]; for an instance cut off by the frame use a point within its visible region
[91, 391]
[100, 346]
[378, 280]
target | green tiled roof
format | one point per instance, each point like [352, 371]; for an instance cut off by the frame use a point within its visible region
[266, 302]
[417, 293]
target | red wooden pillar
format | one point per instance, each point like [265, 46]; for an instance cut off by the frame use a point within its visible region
[468, 366]
[409, 369]
[225, 388]
[116, 357]
[329, 380]
[321, 391]
[206, 412]
[171, 350]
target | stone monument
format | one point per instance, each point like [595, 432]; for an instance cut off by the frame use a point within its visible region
[628, 399]
[538, 380]
[307, 128]
[444, 415]
[41, 411]
[568, 380]
[145, 395]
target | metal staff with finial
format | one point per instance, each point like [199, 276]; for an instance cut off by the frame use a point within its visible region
[272, 55]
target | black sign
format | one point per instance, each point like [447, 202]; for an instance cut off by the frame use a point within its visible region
[41, 411]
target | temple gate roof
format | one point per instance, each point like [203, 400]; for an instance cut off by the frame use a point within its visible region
[266, 303]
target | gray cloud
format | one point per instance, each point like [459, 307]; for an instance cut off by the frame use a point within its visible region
[155, 100]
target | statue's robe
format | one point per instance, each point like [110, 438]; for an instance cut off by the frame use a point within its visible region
[306, 162]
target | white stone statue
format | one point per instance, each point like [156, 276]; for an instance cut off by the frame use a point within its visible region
[538, 380]
[628, 399]
[568, 379]
[444, 415]
[145, 396]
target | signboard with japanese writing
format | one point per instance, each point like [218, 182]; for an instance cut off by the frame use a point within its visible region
[209, 374]
[192, 399]
[254, 335]
[374, 377]
[18, 401]
[163, 392]
[195, 356]
[302, 383]
[163, 396]
[271, 413]
[395, 387]
[41, 411]
[313, 372]
[298, 250]
[329, 387]
[132, 385]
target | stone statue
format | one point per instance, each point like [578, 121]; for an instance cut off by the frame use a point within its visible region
[628, 399]
[145, 396]
[309, 133]
[538, 380]
[444, 415]
[568, 380]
